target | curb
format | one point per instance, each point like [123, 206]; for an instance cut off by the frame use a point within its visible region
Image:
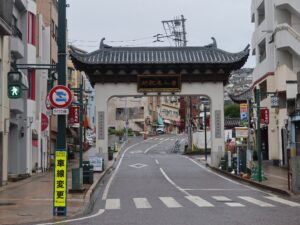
[254, 183]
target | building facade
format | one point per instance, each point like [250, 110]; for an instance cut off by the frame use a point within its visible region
[276, 45]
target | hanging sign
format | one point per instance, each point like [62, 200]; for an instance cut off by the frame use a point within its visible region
[45, 122]
[244, 112]
[60, 181]
[264, 116]
[73, 115]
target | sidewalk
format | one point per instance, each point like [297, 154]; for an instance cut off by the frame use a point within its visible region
[31, 200]
[277, 177]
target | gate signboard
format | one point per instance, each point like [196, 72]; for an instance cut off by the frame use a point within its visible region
[161, 83]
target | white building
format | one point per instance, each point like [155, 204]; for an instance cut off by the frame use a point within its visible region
[276, 45]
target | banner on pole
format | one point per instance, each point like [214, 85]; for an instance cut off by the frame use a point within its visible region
[244, 112]
[60, 180]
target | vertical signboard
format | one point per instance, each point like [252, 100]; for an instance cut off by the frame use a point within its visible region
[264, 116]
[101, 125]
[218, 124]
[244, 112]
[60, 179]
[73, 116]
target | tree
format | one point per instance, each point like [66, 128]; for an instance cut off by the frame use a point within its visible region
[232, 111]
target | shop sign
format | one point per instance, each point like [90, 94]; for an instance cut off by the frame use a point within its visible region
[244, 112]
[73, 116]
[264, 116]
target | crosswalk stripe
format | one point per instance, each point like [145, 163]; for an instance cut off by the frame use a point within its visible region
[221, 198]
[112, 204]
[283, 201]
[170, 202]
[199, 201]
[141, 203]
[234, 204]
[256, 201]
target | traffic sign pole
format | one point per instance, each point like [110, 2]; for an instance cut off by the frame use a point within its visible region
[61, 209]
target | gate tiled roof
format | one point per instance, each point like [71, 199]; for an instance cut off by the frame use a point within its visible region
[209, 54]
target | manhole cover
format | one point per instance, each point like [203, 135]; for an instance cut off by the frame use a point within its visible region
[7, 203]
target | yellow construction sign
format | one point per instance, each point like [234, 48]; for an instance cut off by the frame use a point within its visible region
[60, 181]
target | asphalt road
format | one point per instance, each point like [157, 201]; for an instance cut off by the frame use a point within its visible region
[152, 186]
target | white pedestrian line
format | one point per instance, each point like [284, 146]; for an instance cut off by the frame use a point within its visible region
[112, 204]
[156, 161]
[283, 201]
[234, 204]
[221, 198]
[161, 139]
[170, 202]
[141, 203]
[256, 201]
[171, 139]
[214, 189]
[200, 202]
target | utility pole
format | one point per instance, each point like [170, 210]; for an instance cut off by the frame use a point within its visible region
[175, 31]
[258, 137]
[60, 194]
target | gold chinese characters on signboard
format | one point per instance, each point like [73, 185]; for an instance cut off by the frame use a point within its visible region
[159, 83]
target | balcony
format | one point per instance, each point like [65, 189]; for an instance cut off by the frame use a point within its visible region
[287, 38]
[292, 6]
[6, 8]
[16, 44]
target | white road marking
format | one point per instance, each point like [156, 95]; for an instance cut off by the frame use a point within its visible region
[172, 182]
[101, 211]
[105, 193]
[138, 165]
[225, 178]
[142, 203]
[283, 201]
[156, 161]
[214, 189]
[221, 198]
[200, 202]
[170, 202]
[256, 201]
[234, 204]
[112, 204]
[153, 146]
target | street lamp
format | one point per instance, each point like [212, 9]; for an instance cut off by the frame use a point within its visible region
[203, 108]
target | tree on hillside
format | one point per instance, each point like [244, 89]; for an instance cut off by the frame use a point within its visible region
[232, 111]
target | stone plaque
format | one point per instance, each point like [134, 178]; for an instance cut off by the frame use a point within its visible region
[101, 129]
[218, 124]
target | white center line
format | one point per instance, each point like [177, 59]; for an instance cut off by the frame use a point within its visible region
[156, 161]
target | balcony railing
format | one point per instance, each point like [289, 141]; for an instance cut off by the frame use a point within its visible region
[6, 7]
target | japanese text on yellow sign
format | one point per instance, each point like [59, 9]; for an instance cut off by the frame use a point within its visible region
[60, 181]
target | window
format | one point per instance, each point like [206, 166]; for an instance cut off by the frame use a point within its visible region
[31, 29]
[263, 90]
[261, 13]
[262, 50]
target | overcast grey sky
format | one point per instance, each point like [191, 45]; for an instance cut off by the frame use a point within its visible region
[120, 20]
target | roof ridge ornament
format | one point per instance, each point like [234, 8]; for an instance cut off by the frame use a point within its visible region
[212, 45]
[102, 45]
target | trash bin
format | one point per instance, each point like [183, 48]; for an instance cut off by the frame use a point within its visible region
[110, 153]
[88, 172]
